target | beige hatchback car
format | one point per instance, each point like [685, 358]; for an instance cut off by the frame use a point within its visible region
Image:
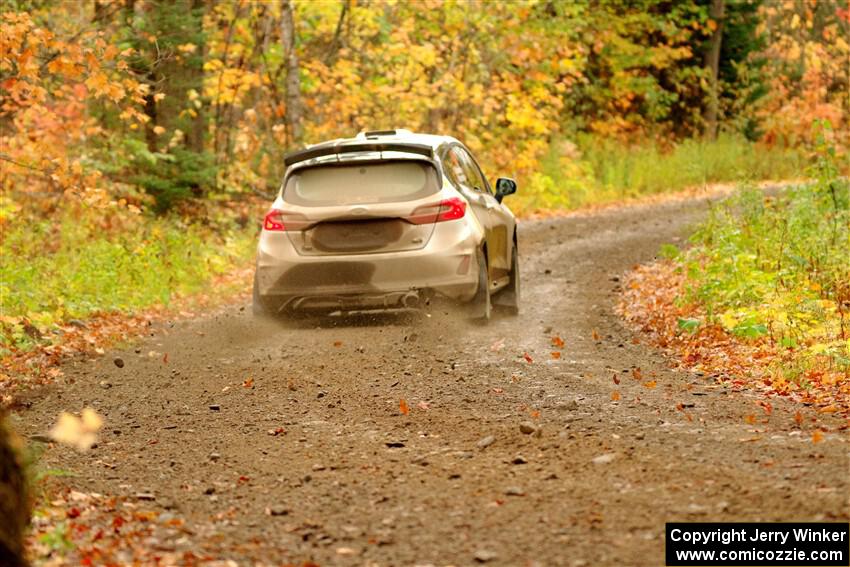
[387, 220]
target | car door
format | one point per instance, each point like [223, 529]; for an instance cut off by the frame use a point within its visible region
[464, 177]
[500, 221]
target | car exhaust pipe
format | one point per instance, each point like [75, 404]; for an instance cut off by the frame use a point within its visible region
[410, 300]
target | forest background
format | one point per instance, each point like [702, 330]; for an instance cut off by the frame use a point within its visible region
[140, 140]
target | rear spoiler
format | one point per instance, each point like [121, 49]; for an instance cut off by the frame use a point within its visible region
[336, 149]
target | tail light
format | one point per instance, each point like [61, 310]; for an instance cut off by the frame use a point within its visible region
[274, 221]
[449, 209]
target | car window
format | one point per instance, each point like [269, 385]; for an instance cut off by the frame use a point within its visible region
[366, 183]
[455, 170]
[473, 172]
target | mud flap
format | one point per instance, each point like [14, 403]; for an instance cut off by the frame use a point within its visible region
[263, 306]
[481, 307]
[508, 299]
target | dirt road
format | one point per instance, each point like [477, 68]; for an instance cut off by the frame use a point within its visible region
[313, 460]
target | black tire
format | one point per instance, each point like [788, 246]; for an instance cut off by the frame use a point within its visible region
[508, 299]
[481, 306]
[263, 306]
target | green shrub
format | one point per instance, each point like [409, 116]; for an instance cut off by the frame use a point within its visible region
[779, 266]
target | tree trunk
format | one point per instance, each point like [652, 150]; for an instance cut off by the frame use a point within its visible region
[712, 64]
[293, 81]
[195, 72]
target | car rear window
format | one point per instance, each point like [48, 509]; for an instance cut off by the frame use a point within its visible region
[363, 183]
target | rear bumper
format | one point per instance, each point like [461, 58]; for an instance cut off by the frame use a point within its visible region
[446, 266]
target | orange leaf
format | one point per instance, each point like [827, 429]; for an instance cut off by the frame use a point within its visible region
[556, 355]
[615, 396]
[557, 341]
[751, 419]
[527, 357]
[817, 436]
[829, 409]
[337, 343]
[650, 384]
[595, 335]
[402, 407]
[615, 378]
[248, 383]
[680, 407]
[636, 373]
[798, 418]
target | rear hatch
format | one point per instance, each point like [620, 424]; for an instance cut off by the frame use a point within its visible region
[360, 208]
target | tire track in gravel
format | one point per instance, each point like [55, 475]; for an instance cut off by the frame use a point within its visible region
[354, 482]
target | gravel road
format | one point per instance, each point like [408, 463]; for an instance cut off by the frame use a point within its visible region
[285, 442]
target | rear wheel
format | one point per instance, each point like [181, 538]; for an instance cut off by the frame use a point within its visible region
[508, 299]
[263, 306]
[481, 304]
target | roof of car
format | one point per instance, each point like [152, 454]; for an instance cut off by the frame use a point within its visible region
[397, 140]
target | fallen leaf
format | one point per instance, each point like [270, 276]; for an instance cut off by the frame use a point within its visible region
[595, 335]
[556, 355]
[829, 409]
[527, 357]
[615, 378]
[615, 396]
[557, 341]
[423, 405]
[165, 358]
[248, 383]
[402, 407]
[798, 418]
[817, 436]
[337, 343]
[636, 374]
[79, 432]
[650, 384]
[751, 419]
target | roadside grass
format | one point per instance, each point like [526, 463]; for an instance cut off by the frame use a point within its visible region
[78, 263]
[763, 291]
[597, 171]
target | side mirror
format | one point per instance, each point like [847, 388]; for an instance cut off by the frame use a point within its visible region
[504, 187]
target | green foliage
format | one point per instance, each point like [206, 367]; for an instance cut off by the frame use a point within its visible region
[70, 266]
[58, 539]
[175, 176]
[780, 265]
[600, 170]
[689, 325]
